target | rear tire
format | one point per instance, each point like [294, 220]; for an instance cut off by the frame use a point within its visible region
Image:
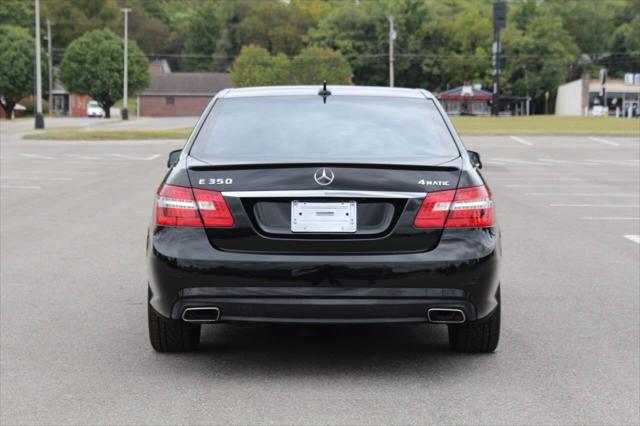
[167, 335]
[479, 336]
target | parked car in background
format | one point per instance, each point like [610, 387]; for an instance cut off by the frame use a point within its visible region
[94, 110]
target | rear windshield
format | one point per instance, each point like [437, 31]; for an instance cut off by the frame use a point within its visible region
[304, 128]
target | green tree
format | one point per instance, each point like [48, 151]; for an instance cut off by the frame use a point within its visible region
[625, 41]
[93, 65]
[201, 39]
[176, 14]
[275, 25]
[625, 48]
[456, 40]
[315, 64]
[256, 67]
[543, 47]
[149, 32]
[589, 23]
[17, 12]
[72, 18]
[17, 55]
[440, 43]
[231, 14]
[359, 32]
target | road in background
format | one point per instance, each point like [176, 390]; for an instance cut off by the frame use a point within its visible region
[74, 345]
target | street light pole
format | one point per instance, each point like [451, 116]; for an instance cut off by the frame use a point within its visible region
[499, 22]
[125, 111]
[392, 37]
[39, 118]
[50, 67]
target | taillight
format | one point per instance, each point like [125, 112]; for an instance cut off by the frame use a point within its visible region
[472, 208]
[181, 206]
[176, 206]
[434, 210]
[213, 208]
[461, 208]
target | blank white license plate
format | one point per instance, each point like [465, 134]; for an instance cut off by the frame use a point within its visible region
[323, 217]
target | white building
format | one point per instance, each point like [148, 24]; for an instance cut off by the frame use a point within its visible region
[582, 97]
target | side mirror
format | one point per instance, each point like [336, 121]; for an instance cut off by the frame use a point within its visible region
[174, 157]
[475, 159]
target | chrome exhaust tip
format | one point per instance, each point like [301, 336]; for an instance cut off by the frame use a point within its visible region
[446, 316]
[201, 315]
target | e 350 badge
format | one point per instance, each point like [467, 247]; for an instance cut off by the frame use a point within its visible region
[215, 181]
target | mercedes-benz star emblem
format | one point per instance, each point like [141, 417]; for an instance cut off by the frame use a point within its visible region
[323, 176]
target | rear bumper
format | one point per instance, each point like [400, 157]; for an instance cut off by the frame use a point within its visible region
[290, 306]
[462, 272]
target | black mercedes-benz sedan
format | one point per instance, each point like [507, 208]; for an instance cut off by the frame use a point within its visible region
[324, 205]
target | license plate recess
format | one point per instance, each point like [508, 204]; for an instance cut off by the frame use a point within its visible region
[317, 217]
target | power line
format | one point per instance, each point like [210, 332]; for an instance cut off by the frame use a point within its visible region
[601, 55]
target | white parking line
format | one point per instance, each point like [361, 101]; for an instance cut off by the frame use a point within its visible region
[582, 194]
[622, 206]
[18, 187]
[33, 178]
[66, 172]
[548, 186]
[615, 162]
[39, 157]
[520, 140]
[516, 161]
[103, 157]
[133, 157]
[634, 238]
[536, 178]
[610, 218]
[83, 157]
[568, 163]
[604, 141]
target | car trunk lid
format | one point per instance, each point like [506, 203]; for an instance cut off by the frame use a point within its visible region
[385, 199]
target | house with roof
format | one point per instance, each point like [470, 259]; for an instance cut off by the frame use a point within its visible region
[466, 100]
[68, 104]
[473, 100]
[173, 94]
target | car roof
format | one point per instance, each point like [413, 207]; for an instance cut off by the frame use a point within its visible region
[396, 92]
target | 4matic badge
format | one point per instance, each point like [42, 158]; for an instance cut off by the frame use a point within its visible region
[433, 182]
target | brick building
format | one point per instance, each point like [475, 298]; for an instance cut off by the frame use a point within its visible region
[180, 93]
[68, 104]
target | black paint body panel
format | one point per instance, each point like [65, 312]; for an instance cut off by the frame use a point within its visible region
[461, 271]
[396, 234]
[260, 271]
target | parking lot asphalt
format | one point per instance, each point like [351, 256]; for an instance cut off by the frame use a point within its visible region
[15, 129]
[73, 330]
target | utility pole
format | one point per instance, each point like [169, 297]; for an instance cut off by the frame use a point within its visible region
[39, 117]
[546, 102]
[125, 112]
[50, 66]
[526, 83]
[392, 37]
[603, 91]
[499, 22]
